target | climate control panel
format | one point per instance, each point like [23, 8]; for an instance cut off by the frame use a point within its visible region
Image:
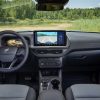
[50, 62]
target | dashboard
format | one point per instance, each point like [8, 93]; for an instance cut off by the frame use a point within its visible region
[67, 46]
[55, 40]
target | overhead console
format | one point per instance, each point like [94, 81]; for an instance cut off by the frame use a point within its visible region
[50, 42]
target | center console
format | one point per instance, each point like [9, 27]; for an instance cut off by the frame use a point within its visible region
[50, 79]
[49, 47]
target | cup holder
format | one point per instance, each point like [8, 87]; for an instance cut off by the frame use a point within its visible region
[55, 84]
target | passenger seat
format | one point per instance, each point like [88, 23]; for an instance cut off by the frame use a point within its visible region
[83, 92]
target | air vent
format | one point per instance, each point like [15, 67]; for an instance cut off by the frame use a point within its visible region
[49, 51]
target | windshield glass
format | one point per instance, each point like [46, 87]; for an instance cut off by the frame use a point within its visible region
[78, 15]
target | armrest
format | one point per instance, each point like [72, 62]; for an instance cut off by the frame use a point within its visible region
[51, 95]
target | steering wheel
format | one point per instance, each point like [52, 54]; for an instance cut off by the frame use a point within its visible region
[9, 56]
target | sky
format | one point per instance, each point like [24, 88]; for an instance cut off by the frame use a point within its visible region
[47, 33]
[83, 4]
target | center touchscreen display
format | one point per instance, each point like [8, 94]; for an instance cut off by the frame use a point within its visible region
[50, 38]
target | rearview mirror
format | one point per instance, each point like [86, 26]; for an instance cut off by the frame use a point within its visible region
[50, 5]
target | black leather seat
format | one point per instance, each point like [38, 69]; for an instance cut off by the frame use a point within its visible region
[83, 92]
[16, 92]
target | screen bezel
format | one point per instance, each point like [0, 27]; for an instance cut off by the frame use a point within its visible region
[65, 38]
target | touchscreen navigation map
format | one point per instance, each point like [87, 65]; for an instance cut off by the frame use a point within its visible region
[48, 38]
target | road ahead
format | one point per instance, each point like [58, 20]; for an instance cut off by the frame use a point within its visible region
[44, 39]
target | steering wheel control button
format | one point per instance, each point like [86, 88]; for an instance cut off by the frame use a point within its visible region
[7, 54]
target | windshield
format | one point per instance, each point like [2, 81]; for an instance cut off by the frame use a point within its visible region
[78, 15]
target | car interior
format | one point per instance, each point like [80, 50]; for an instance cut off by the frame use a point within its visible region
[49, 64]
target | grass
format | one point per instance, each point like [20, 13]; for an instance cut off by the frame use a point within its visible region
[88, 25]
[29, 22]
